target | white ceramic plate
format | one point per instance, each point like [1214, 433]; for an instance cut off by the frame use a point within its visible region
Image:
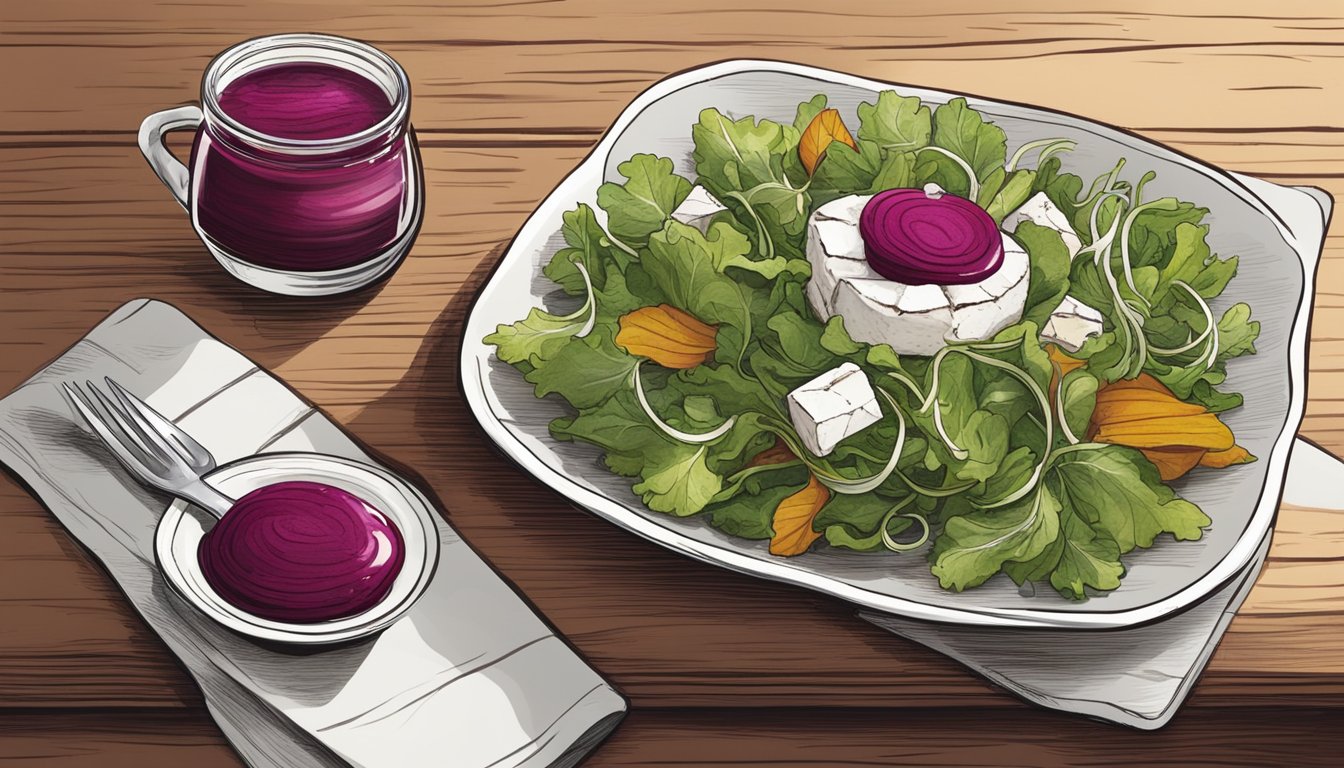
[1278, 243]
[180, 531]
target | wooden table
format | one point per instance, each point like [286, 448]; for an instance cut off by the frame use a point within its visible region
[720, 668]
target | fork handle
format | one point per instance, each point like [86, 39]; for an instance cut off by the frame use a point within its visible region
[206, 497]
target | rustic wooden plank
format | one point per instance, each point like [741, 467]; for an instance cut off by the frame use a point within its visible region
[784, 738]
[480, 68]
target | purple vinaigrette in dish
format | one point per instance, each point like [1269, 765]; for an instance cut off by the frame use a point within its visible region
[302, 553]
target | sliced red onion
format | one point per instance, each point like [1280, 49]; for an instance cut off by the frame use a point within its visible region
[923, 236]
[302, 552]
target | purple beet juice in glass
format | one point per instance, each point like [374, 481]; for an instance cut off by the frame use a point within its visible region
[304, 176]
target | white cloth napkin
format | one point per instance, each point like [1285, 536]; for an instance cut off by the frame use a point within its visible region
[1140, 677]
[470, 677]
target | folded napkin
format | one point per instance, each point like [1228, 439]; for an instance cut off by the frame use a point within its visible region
[470, 677]
[1140, 676]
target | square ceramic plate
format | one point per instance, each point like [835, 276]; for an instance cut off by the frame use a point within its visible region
[1277, 231]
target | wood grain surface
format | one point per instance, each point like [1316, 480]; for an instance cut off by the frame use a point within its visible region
[508, 97]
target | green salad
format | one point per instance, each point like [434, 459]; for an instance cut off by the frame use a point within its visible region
[998, 446]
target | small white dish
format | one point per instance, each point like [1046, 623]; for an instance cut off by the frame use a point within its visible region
[182, 527]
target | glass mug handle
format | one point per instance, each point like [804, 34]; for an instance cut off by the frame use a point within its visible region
[170, 170]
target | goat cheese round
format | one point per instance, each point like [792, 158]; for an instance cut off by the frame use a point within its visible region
[913, 319]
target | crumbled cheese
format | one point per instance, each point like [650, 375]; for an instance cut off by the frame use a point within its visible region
[1071, 324]
[1040, 211]
[698, 209]
[833, 406]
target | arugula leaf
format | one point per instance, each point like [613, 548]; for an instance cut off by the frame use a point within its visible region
[539, 336]
[1062, 189]
[990, 186]
[751, 515]
[937, 168]
[1088, 558]
[1154, 232]
[1011, 195]
[1237, 332]
[619, 427]
[1192, 263]
[807, 111]
[1117, 490]
[1079, 389]
[960, 130]
[1203, 393]
[895, 122]
[677, 480]
[742, 163]
[675, 476]
[845, 171]
[1014, 471]
[585, 241]
[738, 155]
[897, 171]
[688, 268]
[640, 206]
[584, 372]
[975, 546]
[1050, 263]
[851, 521]
[985, 440]
[836, 340]
[799, 342]
[727, 384]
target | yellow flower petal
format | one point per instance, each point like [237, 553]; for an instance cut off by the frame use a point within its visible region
[1058, 357]
[1199, 431]
[1219, 459]
[793, 519]
[1171, 463]
[1176, 436]
[668, 336]
[825, 128]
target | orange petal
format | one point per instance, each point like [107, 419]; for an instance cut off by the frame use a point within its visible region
[1139, 405]
[1171, 463]
[825, 128]
[1200, 431]
[1219, 459]
[668, 336]
[793, 519]
[1065, 363]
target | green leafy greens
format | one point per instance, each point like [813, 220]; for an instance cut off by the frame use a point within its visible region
[981, 448]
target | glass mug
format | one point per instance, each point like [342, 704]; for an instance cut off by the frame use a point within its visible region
[304, 177]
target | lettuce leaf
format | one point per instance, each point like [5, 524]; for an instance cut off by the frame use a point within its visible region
[640, 206]
[746, 276]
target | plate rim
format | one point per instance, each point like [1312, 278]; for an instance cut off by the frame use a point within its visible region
[475, 390]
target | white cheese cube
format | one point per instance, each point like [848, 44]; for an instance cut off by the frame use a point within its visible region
[698, 209]
[1040, 211]
[1071, 324]
[833, 406]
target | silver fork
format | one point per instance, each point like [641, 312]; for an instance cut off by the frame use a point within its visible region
[153, 448]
